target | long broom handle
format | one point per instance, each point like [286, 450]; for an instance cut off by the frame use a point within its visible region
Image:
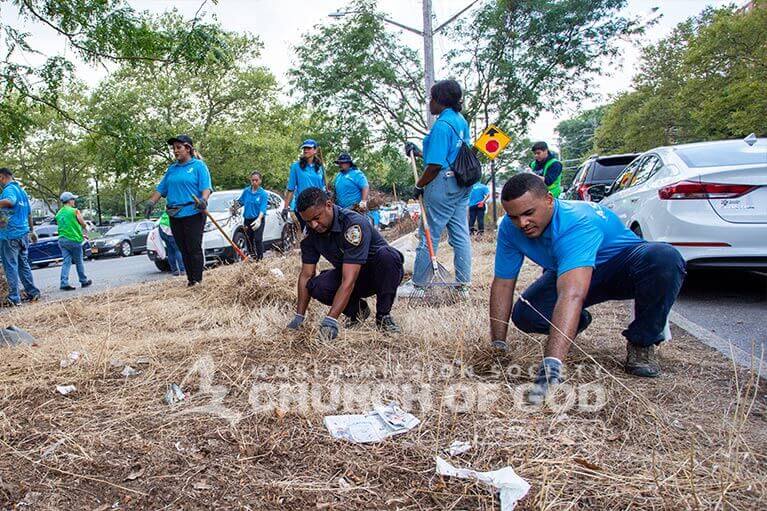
[426, 230]
[223, 233]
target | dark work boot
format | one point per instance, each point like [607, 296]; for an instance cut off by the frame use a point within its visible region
[362, 315]
[386, 324]
[642, 361]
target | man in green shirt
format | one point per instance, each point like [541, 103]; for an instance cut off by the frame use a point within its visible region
[71, 227]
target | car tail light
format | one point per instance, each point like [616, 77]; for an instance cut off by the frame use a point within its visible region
[693, 190]
[583, 191]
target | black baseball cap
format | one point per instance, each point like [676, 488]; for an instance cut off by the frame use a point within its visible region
[6, 171]
[182, 139]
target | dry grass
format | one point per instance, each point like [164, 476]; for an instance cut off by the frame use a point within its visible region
[694, 438]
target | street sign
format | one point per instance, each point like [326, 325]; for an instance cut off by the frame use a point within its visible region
[492, 141]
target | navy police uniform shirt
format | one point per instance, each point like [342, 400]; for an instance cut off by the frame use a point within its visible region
[350, 240]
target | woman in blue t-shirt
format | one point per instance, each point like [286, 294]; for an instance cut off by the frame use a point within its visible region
[307, 172]
[186, 187]
[254, 199]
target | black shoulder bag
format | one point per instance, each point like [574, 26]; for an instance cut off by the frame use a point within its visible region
[466, 167]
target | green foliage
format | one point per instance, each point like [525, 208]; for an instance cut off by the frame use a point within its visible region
[576, 135]
[706, 81]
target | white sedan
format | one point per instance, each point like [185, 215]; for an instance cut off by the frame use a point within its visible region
[278, 233]
[708, 199]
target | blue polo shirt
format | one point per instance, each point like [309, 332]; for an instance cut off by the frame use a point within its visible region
[478, 193]
[441, 145]
[581, 234]
[14, 221]
[254, 202]
[182, 181]
[301, 179]
[348, 186]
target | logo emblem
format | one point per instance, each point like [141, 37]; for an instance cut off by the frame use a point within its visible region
[354, 235]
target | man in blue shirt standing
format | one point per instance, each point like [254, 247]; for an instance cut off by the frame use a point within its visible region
[307, 172]
[15, 233]
[350, 184]
[479, 195]
[588, 257]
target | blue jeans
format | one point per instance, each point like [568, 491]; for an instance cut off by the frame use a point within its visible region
[477, 214]
[649, 273]
[15, 259]
[446, 204]
[71, 251]
[174, 254]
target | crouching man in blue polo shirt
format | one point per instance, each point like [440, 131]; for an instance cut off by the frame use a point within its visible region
[588, 257]
[364, 264]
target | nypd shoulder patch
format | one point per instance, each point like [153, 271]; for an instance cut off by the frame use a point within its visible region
[354, 235]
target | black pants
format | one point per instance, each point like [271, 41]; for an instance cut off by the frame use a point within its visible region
[477, 214]
[650, 273]
[380, 276]
[188, 234]
[255, 238]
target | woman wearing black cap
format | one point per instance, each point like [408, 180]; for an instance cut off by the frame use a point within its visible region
[186, 187]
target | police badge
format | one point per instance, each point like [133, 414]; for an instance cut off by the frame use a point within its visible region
[354, 235]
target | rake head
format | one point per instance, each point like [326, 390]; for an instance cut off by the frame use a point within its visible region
[440, 290]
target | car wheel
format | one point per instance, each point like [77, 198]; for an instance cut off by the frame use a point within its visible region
[288, 238]
[637, 230]
[125, 249]
[241, 241]
[162, 264]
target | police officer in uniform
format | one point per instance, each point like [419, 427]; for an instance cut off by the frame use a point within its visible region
[363, 265]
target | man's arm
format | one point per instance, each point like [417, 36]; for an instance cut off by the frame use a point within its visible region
[365, 192]
[501, 300]
[80, 220]
[572, 288]
[349, 274]
[307, 272]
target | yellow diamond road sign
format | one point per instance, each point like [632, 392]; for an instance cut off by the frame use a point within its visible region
[492, 141]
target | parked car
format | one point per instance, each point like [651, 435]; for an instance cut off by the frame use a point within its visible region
[278, 233]
[595, 175]
[707, 199]
[46, 250]
[123, 239]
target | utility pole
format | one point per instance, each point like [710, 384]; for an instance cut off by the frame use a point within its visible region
[428, 57]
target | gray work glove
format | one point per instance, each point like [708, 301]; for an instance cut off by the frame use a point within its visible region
[285, 213]
[201, 204]
[32, 237]
[500, 345]
[295, 324]
[328, 329]
[412, 148]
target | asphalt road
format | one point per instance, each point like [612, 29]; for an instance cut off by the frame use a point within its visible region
[105, 273]
[726, 307]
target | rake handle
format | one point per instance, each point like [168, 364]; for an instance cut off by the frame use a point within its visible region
[223, 233]
[426, 229]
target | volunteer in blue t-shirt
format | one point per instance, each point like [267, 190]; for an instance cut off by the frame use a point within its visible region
[255, 200]
[350, 184]
[307, 172]
[445, 200]
[15, 233]
[186, 187]
[477, 199]
[588, 257]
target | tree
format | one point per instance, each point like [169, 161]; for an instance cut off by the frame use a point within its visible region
[707, 80]
[98, 32]
[514, 58]
[576, 135]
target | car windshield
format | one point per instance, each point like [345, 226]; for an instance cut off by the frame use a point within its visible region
[608, 171]
[731, 152]
[125, 228]
[220, 202]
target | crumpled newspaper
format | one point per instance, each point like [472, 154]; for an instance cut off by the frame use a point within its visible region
[511, 486]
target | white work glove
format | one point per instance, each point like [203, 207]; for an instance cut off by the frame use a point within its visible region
[363, 205]
[255, 224]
